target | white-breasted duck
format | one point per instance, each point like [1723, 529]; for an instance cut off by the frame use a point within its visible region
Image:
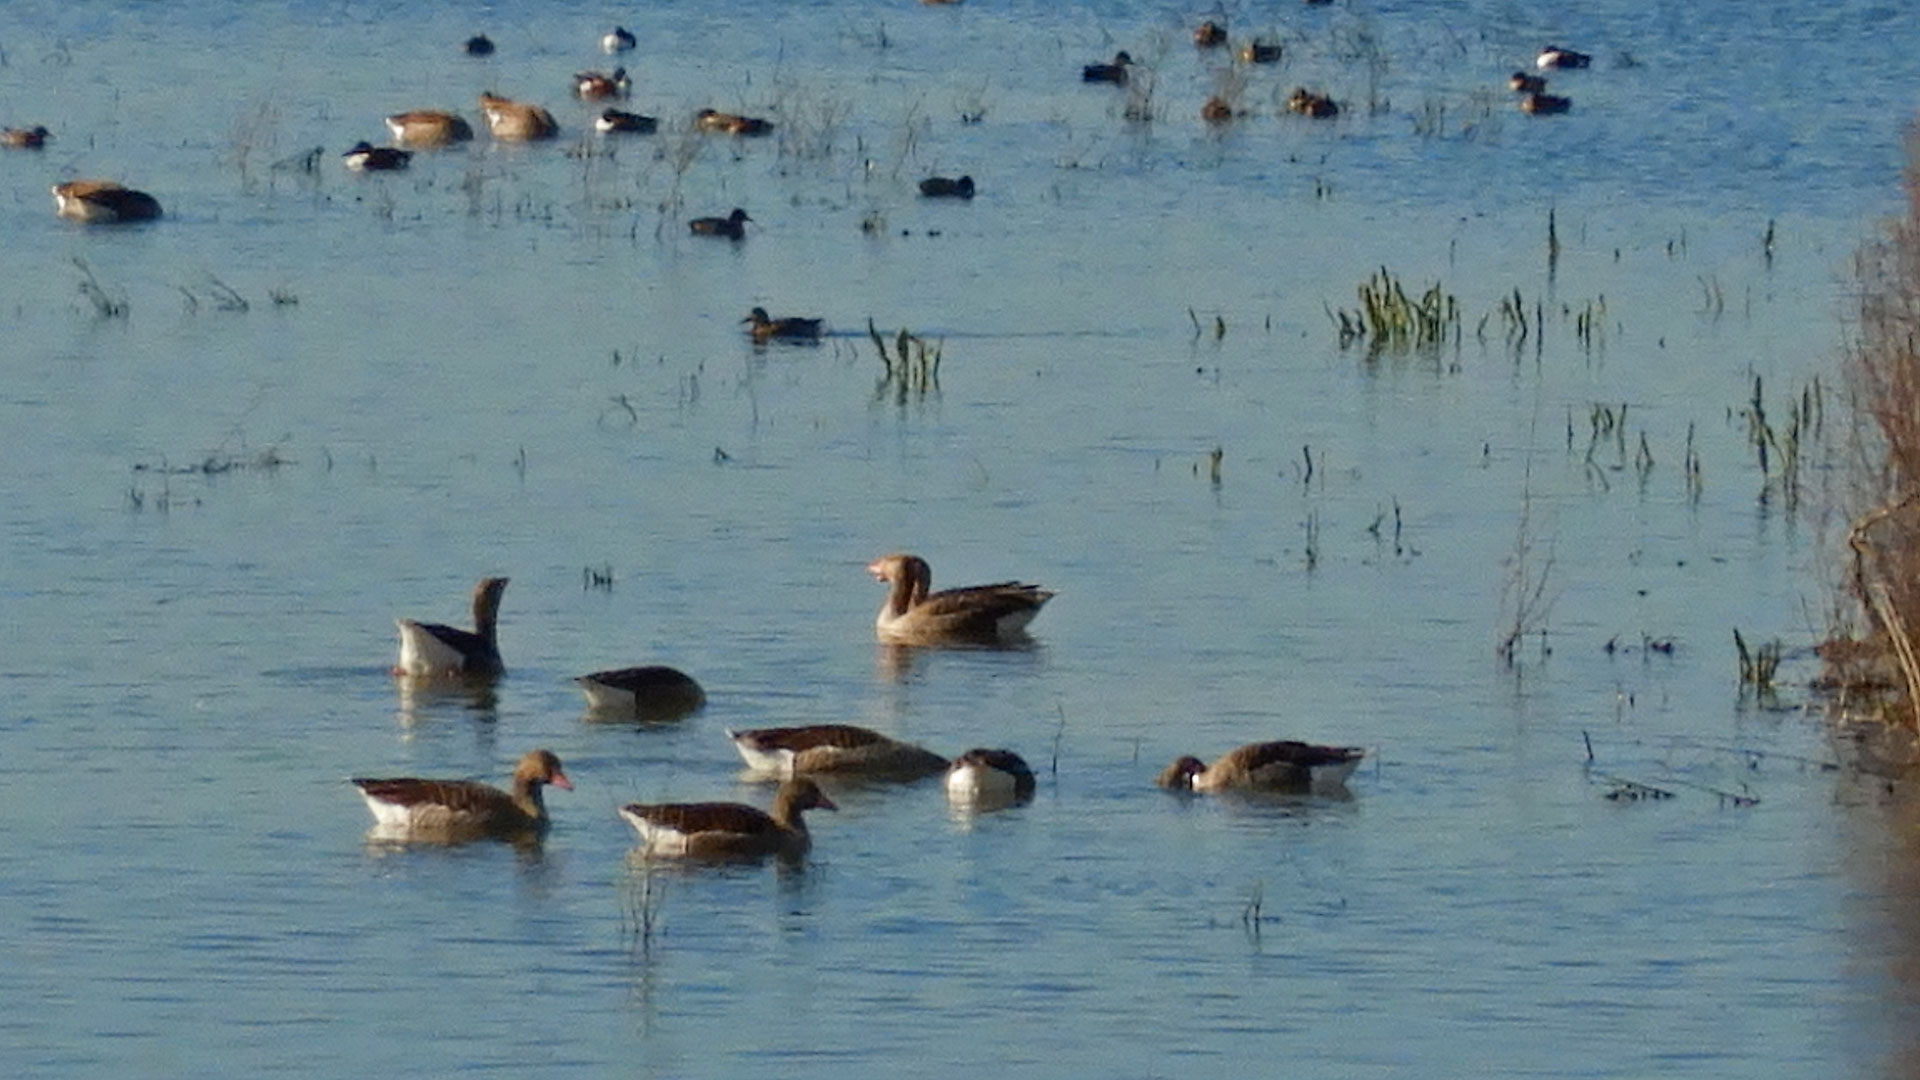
[435, 650]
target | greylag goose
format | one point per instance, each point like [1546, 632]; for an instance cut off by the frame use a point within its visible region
[833, 748]
[978, 613]
[436, 650]
[99, 202]
[989, 778]
[428, 128]
[652, 691]
[516, 121]
[724, 830]
[1269, 766]
[456, 809]
[731, 123]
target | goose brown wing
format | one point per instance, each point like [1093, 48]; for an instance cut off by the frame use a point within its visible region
[1292, 753]
[691, 818]
[458, 796]
[796, 739]
[979, 608]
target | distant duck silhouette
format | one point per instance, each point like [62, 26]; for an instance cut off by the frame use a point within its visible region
[942, 187]
[598, 86]
[1216, 110]
[731, 123]
[613, 120]
[986, 614]
[618, 40]
[1268, 766]
[1115, 72]
[1209, 35]
[722, 830]
[1545, 104]
[733, 226]
[652, 692]
[479, 45]
[1258, 51]
[764, 328]
[516, 121]
[1553, 56]
[1523, 83]
[32, 138]
[833, 748]
[435, 650]
[989, 779]
[428, 128]
[366, 157]
[1307, 103]
[454, 810]
[103, 202]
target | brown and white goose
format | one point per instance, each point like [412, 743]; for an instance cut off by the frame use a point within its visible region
[729, 830]
[977, 613]
[428, 128]
[651, 692]
[517, 121]
[1266, 766]
[833, 748]
[463, 809]
[435, 650]
[99, 202]
[989, 779]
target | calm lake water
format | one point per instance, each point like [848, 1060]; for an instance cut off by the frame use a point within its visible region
[513, 360]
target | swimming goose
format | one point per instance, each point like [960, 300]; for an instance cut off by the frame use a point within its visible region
[436, 650]
[1209, 35]
[618, 40]
[765, 328]
[1545, 104]
[1522, 83]
[479, 45]
[516, 121]
[595, 85]
[733, 226]
[946, 187]
[33, 138]
[1270, 766]
[731, 123]
[458, 809]
[366, 157]
[1307, 103]
[989, 778]
[613, 120]
[648, 691]
[978, 613]
[729, 830]
[1553, 56]
[427, 128]
[98, 202]
[833, 748]
[1115, 72]
[1260, 52]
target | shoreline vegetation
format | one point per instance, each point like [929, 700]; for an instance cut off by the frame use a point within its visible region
[1871, 659]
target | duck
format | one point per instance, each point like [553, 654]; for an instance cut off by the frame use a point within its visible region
[1307, 103]
[733, 226]
[912, 614]
[596, 85]
[764, 328]
[731, 123]
[428, 127]
[943, 187]
[1260, 52]
[989, 778]
[434, 650]
[833, 748]
[1115, 72]
[479, 45]
[103, 202]
[462, 809]
[618, 40]
[1553, 56]
[1270, 766]
[613, 120]
[1545, 104]
[649, 691]
[32, 138]
[515, 121]
[1216, 110]
[1522, 83]
[720, 830]
[366, 157]
[1209, 35]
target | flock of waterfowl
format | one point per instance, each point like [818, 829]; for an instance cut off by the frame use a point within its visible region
[913, 614]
